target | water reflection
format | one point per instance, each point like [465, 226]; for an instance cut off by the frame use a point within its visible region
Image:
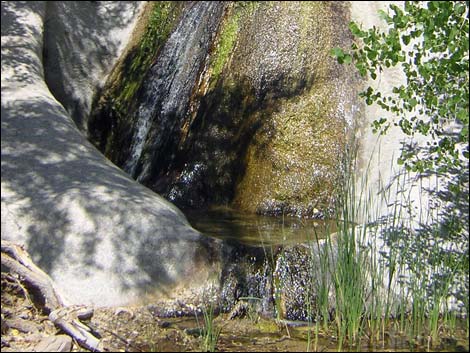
[255, 230]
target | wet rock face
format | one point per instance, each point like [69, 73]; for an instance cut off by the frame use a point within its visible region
[145, 131]
[271, 129]
[293, 282]
[246, 273]
[294, 157]
[164, 104]
[261, 112]
[283, 281]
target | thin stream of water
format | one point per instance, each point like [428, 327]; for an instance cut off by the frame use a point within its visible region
[260, 335]
[171, 80]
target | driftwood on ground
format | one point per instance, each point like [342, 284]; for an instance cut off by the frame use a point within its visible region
[67, 318]
[17, 260]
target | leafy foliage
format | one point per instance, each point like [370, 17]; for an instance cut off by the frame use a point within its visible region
[429, 41]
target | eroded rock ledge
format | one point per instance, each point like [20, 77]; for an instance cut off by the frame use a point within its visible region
[104, 238]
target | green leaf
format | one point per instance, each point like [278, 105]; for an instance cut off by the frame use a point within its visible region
[384, 16]
[462, 115]
[337, 52]
[361, 68]
[355, 30]
[406, 40]
[371, 54]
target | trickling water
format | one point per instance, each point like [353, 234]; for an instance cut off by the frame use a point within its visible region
[168, 86]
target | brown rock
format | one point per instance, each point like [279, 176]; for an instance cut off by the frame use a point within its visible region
[59, 343]
[22, 325]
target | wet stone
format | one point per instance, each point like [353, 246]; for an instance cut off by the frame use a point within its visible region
[293, 283]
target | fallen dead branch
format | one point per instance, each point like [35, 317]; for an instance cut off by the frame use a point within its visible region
[41, 287]
[38, 283]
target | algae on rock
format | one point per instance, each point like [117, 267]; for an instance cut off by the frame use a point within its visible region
[267, 120]
[110, 125]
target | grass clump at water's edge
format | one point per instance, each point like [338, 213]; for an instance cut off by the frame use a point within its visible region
[382, 271]
[210, 333]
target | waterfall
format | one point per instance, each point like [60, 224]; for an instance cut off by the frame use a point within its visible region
[169, 84]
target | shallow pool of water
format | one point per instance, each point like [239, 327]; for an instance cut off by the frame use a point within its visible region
[247, 336]
[260, 335]
[256, 230]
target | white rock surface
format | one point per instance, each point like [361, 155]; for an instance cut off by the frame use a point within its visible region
[104, 239]
[389, 195]
[82, 40]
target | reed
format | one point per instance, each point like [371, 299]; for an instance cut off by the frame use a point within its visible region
[384, 269]
[210, 333]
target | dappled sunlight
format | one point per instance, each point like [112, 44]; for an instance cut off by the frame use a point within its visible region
[82, 219]
[237, 112]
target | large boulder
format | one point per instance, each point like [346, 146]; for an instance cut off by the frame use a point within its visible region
[302, 106]
[83, 41]
[103, 238]
[266, 120]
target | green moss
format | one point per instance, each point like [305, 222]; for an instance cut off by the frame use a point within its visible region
[111, 118]
[267, 326]
[160, 23]
[295, 161]
[228, 37]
